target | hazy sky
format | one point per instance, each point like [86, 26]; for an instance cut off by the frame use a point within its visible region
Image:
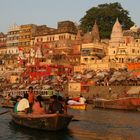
[50, 12]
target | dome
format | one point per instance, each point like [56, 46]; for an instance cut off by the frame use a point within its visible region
[134, 28]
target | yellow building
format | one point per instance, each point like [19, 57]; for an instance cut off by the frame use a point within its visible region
[26, 33]
[91, 52]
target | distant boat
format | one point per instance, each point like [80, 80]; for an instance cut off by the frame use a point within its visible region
[77, 106]
[74, 103]
[126, 103]
[6, 103]
[50, 122]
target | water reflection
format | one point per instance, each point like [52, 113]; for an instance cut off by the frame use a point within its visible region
[87, 125]
[109, 124]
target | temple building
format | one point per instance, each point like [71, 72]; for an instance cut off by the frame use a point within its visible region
[95, 33]
[92, 51]
[116, 35]
[124, 46]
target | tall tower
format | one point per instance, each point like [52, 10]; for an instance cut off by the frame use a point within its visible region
[95, 33]
[116, 35]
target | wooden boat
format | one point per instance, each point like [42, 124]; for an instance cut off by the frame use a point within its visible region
[77, 106]
[50, 122]
[127, 103]
[6, 104]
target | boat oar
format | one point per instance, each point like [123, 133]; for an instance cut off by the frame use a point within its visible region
[75, 120]
[4, 112]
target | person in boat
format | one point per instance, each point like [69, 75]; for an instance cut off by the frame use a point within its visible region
[82, 100]
[63, 103]
[31, 97]
[23, 105]
[37, 106]
[18, 98]
[55, 106]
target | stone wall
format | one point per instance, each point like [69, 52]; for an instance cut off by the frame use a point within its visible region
[103, 91]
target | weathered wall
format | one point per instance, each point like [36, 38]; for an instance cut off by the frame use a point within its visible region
[103, 91]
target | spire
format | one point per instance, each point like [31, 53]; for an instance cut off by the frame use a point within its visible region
[134, 28]
[117, 26]
[95, 33]
[117, 34]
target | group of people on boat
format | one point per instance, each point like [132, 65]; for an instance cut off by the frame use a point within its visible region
[34, 104]
[79, 101]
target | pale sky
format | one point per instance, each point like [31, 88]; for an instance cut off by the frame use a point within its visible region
[49, 12]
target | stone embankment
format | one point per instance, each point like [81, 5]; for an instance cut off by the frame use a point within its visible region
[109, 92]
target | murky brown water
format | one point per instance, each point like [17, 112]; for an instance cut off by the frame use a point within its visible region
[87, 125]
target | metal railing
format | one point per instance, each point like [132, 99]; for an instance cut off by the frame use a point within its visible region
[22, 92]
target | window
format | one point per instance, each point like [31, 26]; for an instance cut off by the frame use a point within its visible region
[86, 59]
[133, 50]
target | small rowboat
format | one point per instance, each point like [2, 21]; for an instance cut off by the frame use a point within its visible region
[78, 106]
[50, 122]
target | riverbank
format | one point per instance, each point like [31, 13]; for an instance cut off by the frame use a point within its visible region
[108, 92]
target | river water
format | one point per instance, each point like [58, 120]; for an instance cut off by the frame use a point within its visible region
[92, 124]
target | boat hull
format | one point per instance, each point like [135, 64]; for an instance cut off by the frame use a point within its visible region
[128, 103]
[50, 122]
[77, 107]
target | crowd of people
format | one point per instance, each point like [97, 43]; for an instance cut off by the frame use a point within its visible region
[30, 103]
[35, 105]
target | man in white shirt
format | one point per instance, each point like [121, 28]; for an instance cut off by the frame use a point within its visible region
[23, 104]
[82, 100]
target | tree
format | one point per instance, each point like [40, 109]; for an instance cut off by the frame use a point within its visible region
[105, 16]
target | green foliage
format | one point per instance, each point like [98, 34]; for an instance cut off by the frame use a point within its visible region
[105, 16]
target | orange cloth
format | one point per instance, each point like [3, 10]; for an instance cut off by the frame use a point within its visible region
[37, 109]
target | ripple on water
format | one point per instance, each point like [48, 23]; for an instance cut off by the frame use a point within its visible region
[88, 125]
